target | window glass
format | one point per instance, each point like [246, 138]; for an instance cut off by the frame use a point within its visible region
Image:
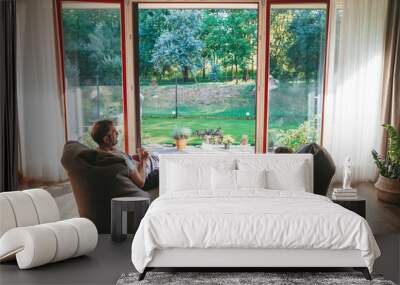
[296, 75]
[93, 68]
[197, 71]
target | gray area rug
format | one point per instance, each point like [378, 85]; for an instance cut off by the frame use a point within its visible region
[273, 278]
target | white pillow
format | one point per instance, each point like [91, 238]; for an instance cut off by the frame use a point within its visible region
[224, 179]
[251, 178]
[183, 178]
[292, 179]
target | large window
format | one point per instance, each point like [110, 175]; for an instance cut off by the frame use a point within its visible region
[197, 70]
[296, 68]
[92, 67]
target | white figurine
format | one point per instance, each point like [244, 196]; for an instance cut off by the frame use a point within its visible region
[347, 173]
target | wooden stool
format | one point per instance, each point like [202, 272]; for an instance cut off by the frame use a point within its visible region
[119, 208]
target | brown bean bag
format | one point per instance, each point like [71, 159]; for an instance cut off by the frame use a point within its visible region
[97, 177]
[324, 167]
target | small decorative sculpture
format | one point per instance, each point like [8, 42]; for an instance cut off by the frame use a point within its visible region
[347, 173]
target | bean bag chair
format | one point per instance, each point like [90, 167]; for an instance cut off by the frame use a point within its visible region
[324, 167]
[97, 177]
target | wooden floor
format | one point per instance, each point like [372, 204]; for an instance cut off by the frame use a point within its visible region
[106, 264]
[383, 218]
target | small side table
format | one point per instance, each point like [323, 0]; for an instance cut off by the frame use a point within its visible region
[119, 208]
[358, 206]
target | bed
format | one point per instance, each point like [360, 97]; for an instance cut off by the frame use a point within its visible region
[247, 211]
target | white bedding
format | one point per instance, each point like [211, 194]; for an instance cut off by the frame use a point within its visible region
[252, 218]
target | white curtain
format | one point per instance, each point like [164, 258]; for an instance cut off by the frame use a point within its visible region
[39, 102]
[352, 106]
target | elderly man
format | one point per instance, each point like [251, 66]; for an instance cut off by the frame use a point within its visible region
[144, 172]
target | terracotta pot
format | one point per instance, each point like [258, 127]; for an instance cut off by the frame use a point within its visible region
[181, 143]
[388, 190]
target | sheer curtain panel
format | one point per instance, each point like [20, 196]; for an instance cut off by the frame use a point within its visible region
[40, 108]
[352, 106]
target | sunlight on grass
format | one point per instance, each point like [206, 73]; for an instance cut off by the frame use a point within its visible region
[159, 130]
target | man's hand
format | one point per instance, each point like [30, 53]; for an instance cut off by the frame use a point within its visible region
[142, 154]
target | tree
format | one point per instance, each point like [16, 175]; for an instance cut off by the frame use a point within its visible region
[179, 47]
[104, 49]
[230, 38]
[92, 45]
[305, 52]
[281, 38]
[297, 40]
[212, 30]
[151, 26]
[239, 39]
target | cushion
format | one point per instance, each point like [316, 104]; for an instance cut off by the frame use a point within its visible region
[7, 220]
[251, 178]
[45, 206]
[182, 178]
[224, 179]
[283, 171]
[45, 243]
[23, 208]
[26, 208]
[279, 180]
[324, 167]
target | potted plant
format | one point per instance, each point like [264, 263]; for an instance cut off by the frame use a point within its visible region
[388, 183]
[244, 141]
[181, 136]
[227, 141]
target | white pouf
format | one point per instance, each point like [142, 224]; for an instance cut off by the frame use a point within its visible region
[31, 232]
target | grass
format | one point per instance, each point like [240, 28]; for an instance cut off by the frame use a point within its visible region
[158, 130]
[206, 106]
[212, 105]
[204, 99]
[200, 106]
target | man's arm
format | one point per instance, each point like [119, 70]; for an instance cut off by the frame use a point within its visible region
[137, 175]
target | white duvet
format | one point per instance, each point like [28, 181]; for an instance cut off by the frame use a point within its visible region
[250, 219]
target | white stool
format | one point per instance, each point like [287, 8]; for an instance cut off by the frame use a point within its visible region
[31, 231]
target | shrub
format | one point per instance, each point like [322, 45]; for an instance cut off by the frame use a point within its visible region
[303, 134]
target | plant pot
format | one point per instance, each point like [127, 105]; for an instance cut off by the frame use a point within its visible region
[227, 146]
[181, 144]
[388, 190]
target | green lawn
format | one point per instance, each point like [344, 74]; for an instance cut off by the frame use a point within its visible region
[212, 105]
[158, 130]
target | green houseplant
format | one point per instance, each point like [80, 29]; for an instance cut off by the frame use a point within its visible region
[181, 136]
[388, 183]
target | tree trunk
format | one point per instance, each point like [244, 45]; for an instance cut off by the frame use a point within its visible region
[176, 97]
[252, 67]
[185, 74]
[231, 72]
[236, 73]
[204, 69]
[245, 74]
[226, 73]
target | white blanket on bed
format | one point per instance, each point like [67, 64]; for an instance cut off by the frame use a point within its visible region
[250, 219]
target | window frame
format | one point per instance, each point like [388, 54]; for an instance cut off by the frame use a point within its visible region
[130, 86]
[133, 106]
[60, 37]
[325, 81]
